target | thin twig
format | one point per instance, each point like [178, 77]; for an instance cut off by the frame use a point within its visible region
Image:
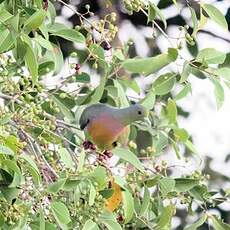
[8, 97]
[37, 147]
[61, 121]
[72, 153]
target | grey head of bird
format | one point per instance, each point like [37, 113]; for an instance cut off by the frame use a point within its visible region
[125, 115]
[131, 114]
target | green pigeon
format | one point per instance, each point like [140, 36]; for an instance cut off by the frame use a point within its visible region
[106, 126]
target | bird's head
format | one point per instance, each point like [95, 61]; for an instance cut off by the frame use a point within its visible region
[138, 112]
[132, 113]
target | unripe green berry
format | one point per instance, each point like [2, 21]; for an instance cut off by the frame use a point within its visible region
[74, 54]
[87, 6]
[63, 95]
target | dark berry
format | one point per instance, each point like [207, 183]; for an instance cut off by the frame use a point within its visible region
[106, 46]
[77, 68]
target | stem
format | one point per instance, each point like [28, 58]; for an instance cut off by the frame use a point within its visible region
[35, 147]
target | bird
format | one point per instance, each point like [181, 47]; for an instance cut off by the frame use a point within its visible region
[106, 126]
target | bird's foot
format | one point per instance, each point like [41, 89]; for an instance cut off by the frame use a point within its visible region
[89, 145]
[107, 154]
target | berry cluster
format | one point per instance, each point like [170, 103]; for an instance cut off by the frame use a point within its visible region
[134, 5]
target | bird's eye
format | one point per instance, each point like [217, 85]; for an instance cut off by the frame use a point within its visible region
[139, 112]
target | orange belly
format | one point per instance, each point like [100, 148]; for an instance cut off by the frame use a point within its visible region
[104, 130]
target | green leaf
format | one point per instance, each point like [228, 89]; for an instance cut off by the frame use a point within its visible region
[185, 72]
[211, 56]
[5, 150]
[13, 143]
[90, 225]
[128, 205]
[70, 35]
[191, 147]
[56, 56]
[176, 148]
[200, 192]
[35, 225]
[223, 73]
[35, 20]
[163, 84]
[10, 164]
[20, 49]
[107, 193]
[30, 161]
[132, 84]
[128, 156]
[99, 52]
[81, 161]
[100, 176]
[2, 219]
[119, 54]
[185, 184]
[194, 22]
[9, 193]
[111, 225]
[198, 223]
[218, 224]
[44, 31]
[166, 216]
[161, 143]
[219, 93]
[51, 12]
[42, 222]
[61, 213]
[31, 62]
[145, 203]
[43, 42]
[4, 15]
[149, 100]
[159, 14]
[171, 111]
[35, 175]
[6, 41]
[112, 91]
[53, 28]
[167, 185]
[56, 186]
[150, 65]
[120, 181]
[181, 134]
[71, 184]
[215, 15]
[96, 96]
[184, 92]
[82, 77]
[121, 92]
[92, 195]
[151, 13]
[153, 181]
[66, 158]
[38, 3]
[64, 109]
[45, 67]
[5, 119]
